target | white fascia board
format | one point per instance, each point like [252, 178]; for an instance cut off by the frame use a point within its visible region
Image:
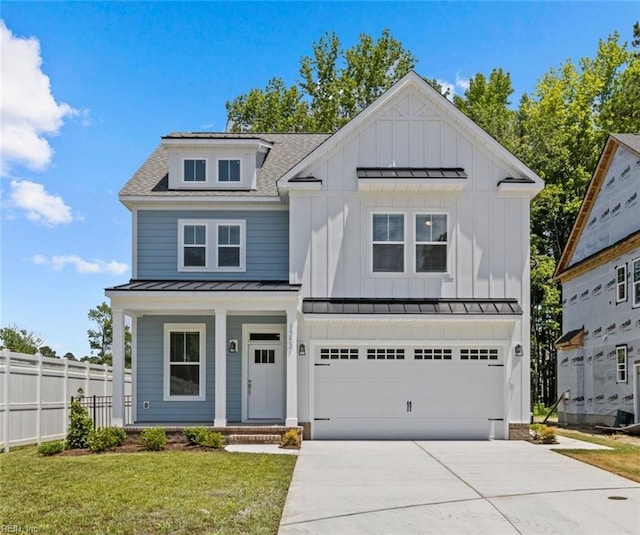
[304, 186]
[411, 317]
[149, 202]
[402, 185]
[213, 141]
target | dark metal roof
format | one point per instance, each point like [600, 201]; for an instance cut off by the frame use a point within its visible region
[411, 172]
[502, 307]
[205, 286]
[512, 180]
[305, 179]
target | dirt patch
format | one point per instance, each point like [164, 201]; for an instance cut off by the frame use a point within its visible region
[131, 445]
[593, 431]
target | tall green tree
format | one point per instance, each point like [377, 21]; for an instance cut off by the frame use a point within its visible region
[335, 85]
[20, 340]
[101, 338]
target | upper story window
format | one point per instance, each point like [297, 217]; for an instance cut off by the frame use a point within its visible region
[621, 283]
[229, 170]
[229, 246]
[194, 250]
[635, 282]
[388, 243]
[431, 243]
[195, 170]
[211, 245]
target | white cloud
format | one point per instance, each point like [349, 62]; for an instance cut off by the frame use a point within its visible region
[454, 88]
[462, 83]
[28, 109]
[40, 206]
[83, 267]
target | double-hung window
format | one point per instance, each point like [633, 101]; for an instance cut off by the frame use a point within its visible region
[211, 245]
[635, 283]
[431, 243]
[194, 248]
[621, 283]
[228, 170]
[388, 243]
[621, 364]
[195, 170]
[229, 246]
[184, 362]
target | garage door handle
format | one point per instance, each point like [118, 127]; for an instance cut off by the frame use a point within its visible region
[321, 419]
[496, 419]
[321, 364]
[496, 365]
[409, 408]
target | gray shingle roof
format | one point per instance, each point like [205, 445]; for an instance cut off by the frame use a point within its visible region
[288, 149]
[502, 307]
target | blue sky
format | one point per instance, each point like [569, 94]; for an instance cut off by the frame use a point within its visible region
[89, 88]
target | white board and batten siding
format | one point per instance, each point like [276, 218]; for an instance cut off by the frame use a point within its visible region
[36, 392]
[330, 253]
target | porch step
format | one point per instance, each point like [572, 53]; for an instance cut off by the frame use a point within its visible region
[253, 439]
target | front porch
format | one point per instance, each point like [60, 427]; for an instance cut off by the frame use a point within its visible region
[222, 358]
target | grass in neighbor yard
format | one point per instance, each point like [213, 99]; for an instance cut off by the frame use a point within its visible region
[176, 492]
[623, 460]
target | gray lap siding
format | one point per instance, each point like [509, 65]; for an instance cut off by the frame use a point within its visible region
[267, 247]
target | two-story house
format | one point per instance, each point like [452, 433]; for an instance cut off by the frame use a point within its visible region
[373, 283]
[599, 352]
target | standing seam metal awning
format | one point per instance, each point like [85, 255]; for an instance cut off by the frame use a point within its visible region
[500, 307]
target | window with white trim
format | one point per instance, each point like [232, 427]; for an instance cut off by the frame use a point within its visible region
[621, 283]
[621, 364]
[229, 246]
[184, 362]
[194, 249]
[388, 243]
[229, 170]
[194, 170]
[431, 243]
[635, 283]
[211, 245]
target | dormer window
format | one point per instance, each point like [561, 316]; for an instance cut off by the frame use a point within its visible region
[229, 170]
[195, 170]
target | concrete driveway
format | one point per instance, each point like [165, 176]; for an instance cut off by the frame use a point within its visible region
[454, 488]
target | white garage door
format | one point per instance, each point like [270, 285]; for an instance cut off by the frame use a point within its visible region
[400, 392]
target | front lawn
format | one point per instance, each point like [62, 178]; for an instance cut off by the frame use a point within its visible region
[176, 492]
[623, 460]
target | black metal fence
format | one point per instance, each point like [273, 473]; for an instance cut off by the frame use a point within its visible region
[100, 409]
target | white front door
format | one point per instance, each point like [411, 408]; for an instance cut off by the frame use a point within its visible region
[265, 382]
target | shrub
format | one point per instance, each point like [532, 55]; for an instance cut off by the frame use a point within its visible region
[153, 439]
[204, 437]
[548, 435]
[80, 424]
[290, 439]
[536, 430]
[50, 448]
[106, 438]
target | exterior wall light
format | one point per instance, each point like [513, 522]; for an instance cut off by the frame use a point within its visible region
[233, 346]
[302, 350]
[518, 352]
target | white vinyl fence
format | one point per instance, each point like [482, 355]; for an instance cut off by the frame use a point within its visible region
[36, 391]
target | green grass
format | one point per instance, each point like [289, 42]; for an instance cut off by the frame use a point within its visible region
[172, 492]
[623, 459]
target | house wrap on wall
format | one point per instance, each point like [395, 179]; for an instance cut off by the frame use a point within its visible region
[599, 352]
[372, 283]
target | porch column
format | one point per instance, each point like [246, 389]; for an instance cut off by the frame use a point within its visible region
[117, 352]
[292, 368]
[221, 369]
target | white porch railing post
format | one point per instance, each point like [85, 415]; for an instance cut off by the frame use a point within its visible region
[7, 405]
[220, 419]
[117, 350]
[292, 368]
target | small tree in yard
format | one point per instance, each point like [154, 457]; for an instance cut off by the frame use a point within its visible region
[80, 424]
[101, 338]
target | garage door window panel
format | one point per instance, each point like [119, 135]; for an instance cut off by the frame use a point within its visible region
[380, 353]
[478, 354]
[339, 353]
[432, 354]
